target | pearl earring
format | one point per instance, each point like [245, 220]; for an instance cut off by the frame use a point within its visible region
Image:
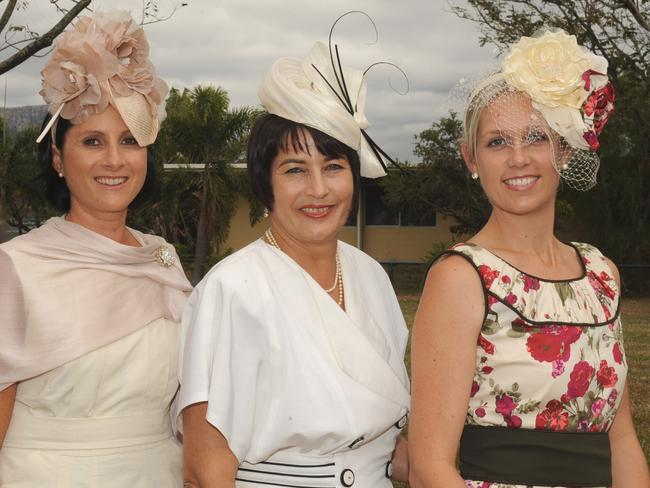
[60, 175]
[266, 213]
[474, 175]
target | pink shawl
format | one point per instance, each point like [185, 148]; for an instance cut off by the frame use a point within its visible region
[65, 291]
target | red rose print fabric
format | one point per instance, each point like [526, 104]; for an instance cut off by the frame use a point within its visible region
[550, 354]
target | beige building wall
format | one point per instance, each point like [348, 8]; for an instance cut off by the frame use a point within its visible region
[384, 243]
[396, 243]
[241, 231]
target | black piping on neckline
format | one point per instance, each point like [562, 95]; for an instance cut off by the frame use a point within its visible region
[536, 323]
[533, 323]
[545, 280]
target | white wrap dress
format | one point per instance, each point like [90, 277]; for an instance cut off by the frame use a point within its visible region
[306, 394]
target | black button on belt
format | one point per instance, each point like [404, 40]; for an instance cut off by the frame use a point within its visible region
[389, 469]
[401, 423]
[347, 477]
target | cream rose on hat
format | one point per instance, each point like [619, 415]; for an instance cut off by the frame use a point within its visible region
[550, 69]
[558, 75]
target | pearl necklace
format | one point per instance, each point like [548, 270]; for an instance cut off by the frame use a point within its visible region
[338, 278]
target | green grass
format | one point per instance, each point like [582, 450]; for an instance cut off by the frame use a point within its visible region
[636, 326]
[636, 333]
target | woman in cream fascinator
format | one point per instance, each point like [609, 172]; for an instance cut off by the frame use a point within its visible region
[519, 369]
[89, 308]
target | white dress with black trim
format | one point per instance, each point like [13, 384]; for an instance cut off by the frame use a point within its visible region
[306, 394]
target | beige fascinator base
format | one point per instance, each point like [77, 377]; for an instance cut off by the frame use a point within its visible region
[296, 90]
[104, 60]
[136, 113]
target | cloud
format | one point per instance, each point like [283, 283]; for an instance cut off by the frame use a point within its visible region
[231, 43]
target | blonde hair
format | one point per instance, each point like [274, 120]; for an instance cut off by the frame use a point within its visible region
[484, 93]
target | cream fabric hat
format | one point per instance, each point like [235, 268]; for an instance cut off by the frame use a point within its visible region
[104, 60]
[310, 92]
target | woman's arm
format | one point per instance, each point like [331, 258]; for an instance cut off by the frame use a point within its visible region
[208, 461]
[447, 324]
[7, 399]
[629, 466]
[400, 460]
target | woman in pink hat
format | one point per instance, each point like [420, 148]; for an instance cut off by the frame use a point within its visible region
[89, 308]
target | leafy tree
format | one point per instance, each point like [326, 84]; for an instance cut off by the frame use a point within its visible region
[440, 183]
[22, 197]
[30, 42]
[196, 205]
[616, 214]
[23, 42]
[619, 30]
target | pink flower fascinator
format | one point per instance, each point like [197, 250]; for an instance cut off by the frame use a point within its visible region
[104, 60]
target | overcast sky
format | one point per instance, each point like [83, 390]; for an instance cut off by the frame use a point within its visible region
[231, 43]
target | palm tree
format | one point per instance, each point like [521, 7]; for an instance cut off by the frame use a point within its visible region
[201, 129]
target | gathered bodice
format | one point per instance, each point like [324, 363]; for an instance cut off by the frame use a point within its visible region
[550, 352]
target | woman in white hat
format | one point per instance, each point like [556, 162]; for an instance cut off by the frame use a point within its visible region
[89, 308]
[292, 368]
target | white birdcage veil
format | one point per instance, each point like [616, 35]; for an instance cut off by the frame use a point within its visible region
[569, 100]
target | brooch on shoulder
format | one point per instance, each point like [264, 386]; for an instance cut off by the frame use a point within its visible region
[165, 256]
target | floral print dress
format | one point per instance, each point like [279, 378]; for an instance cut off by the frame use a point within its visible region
[550, 353]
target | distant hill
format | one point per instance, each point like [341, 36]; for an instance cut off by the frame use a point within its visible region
[18, 118]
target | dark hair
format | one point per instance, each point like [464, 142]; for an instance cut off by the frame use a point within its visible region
[56, 189]
[272, 134]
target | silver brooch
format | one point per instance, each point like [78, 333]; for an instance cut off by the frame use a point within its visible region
[165, 256]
